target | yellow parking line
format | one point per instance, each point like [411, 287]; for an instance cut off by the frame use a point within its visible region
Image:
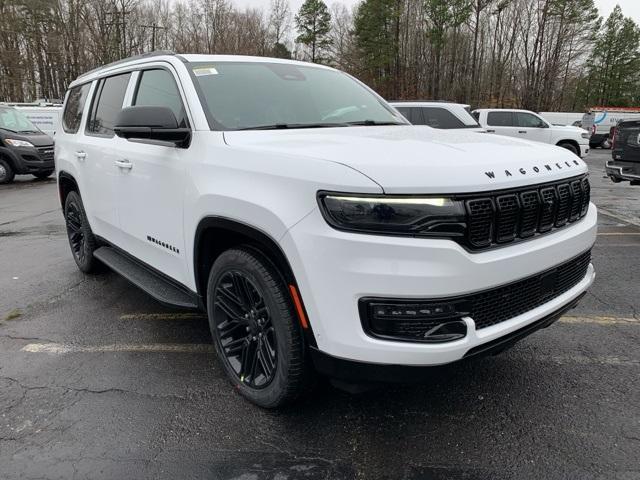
[619, 234]
[600, 320]
[598, 360]
[61, 348]
[163, 316]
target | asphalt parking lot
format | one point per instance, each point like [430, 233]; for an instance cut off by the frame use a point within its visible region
[99, 381]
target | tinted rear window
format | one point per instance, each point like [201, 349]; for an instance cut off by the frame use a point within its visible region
[74, 107]
[107, 104]
[440, 118]
[500, 119]
[628, 134]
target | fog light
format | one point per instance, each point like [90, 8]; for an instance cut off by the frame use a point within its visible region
[414, 321]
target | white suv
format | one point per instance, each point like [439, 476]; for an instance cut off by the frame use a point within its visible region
[531, 126]
[318, 230]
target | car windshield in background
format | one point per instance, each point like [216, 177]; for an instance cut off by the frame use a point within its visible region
[252, 96]
[13, 120]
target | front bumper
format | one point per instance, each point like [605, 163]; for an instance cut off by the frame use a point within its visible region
[584, 149]
[335, 269]
[30, 160]
[622, 170]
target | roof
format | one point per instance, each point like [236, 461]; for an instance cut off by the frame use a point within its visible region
[187, 58]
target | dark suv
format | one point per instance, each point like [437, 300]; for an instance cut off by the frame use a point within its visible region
[625, 153]
[24, 149]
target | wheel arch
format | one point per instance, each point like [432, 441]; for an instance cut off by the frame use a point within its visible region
[216, 234]
[571, 142]
[66, 184]
[9, 156]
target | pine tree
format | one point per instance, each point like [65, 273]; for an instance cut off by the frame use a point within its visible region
[377, 32]
[314, 24]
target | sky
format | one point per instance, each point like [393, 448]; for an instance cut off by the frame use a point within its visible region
[631, 8]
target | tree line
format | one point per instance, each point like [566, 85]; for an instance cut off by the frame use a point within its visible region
[543, 55]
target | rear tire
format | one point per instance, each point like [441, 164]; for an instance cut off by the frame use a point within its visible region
[6, 172]
[255, 331]
[569, 146]
[81, 239]
[43, 175]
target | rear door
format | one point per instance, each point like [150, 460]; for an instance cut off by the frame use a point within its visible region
[628, 142]
[98, 156]
[502, 122]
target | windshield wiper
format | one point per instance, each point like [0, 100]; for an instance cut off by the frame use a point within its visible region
[8, 129]
[372, 123]
[285, 126]
[29, 131]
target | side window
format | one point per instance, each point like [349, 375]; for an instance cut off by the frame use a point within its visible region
[157, 88]
[107, 104]
[500, 119]
[415, 116]
[72, 115]
[476, 116]
[528, 120]
[404, 111]
[440, 118]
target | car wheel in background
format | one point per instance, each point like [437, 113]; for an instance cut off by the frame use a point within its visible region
[256, 334]
[81, 239]
[569, 146]
[6, 172]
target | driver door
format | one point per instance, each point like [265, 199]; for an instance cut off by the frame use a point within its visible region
[151, 183]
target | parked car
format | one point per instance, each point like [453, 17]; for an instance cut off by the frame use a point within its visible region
[317, 228]
[625, 153]
[601, 121]
[443, 115]
[531, 126]
[562, 118]
[24, 149]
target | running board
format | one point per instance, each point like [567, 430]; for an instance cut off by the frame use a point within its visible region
[154, 284]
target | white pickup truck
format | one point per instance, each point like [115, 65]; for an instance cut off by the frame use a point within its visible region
[531, 126]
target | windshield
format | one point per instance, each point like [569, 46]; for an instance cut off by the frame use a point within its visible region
[245, 96]
[12, 119]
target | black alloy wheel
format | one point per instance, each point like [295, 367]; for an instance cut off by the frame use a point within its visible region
[256, 334]
[81, 239]
[245, 331]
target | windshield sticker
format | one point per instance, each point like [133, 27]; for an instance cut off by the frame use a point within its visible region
[204, 71]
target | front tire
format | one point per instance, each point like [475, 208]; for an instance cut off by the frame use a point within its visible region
[569, 146]
[255, 332]
[81, 239]
[6, 172]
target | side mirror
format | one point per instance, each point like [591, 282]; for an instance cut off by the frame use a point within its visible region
[151, 123]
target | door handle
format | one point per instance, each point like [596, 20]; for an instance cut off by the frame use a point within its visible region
[491, 131]
[81, 156]
[522, 131]
[124, 164]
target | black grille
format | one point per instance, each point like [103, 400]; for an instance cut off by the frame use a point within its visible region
[507, 216]
[46, 153]
[499, 304]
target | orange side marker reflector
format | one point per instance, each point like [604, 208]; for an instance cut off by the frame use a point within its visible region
[298, 304]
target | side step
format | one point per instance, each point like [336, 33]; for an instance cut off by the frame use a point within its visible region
[160, 288]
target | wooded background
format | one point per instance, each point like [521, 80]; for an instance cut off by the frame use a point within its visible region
[543, 55]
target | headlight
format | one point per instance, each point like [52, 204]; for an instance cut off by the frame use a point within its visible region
[585, 135]
[394, 214]
[18, 143]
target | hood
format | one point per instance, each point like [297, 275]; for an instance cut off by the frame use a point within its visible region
[420, 159]
[37, 139]
[570, 128]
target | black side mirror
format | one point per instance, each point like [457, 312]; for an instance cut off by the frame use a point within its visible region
[151, 123]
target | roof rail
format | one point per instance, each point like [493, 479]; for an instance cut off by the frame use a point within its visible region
[155, 53]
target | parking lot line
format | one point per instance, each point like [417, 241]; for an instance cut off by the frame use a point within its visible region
[163, 316]
[61, 348]
[619, 234]
[600, 320]
[622, 218]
